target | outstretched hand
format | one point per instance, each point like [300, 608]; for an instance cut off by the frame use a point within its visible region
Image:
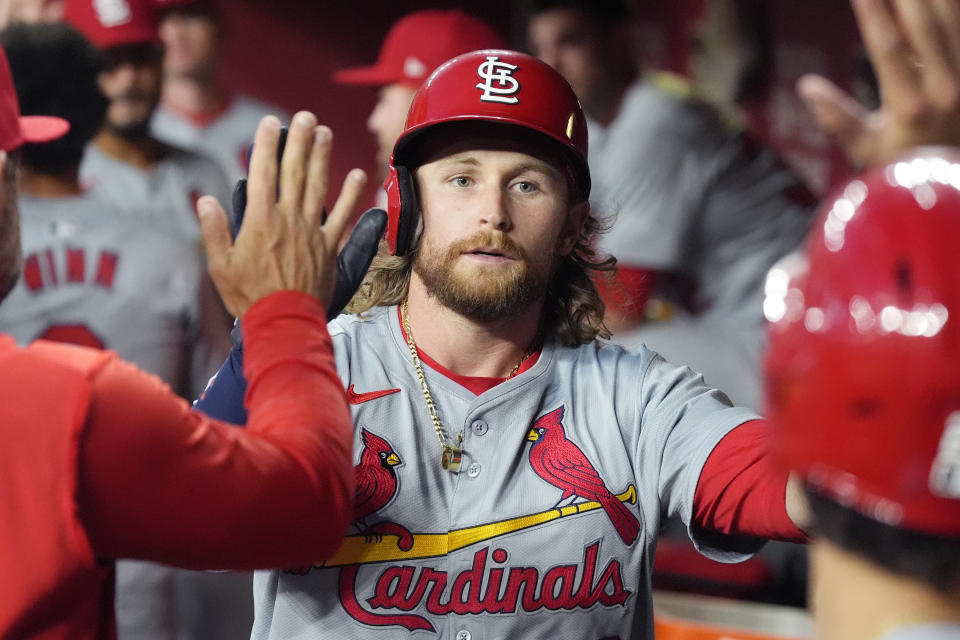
[283, 244]
[915, 49]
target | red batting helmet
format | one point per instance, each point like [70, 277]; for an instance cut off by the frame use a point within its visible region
[495, 88]
[863, 381]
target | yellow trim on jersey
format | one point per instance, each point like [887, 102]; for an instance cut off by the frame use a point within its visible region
[360, 549]
[672, 83]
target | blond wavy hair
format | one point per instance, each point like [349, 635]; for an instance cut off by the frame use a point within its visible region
[573, 314]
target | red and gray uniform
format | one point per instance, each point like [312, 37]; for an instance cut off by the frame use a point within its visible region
[99, 277]
[693, 198]
[223, 136]
[549, 528]
[94, 275]
[168, 191]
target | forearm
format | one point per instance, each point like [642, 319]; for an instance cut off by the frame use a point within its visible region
[741, 493]
[161, 482]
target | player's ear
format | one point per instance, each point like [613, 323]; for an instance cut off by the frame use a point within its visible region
[576, 218]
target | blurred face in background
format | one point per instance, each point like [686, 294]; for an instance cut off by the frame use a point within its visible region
[387, 119]
[571, 43]
[30, 11]
[131, 81]
[192, 41]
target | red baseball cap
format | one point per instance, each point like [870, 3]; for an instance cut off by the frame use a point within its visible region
[420, 42]
[16, 129]
[110, 23]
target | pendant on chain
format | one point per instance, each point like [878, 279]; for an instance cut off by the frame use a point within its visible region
[450, 459]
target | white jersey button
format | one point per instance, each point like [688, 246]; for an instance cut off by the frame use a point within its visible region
[479, 427]
[463, 634]
[473, 471]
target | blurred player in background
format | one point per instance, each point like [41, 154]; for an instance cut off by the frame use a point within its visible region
[95, 275]
[125, 164]
[196, 112]
[414, 46]
[699, 212]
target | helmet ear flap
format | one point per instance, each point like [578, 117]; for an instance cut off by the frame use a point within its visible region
[402, 210]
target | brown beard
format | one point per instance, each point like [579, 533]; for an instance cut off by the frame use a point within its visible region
[484, 295]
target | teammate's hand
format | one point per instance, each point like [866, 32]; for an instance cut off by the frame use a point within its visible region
[283, 244]
[915, 50]
[355, 257]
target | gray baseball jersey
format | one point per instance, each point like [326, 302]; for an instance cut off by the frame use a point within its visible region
[95, 275]
[224, 138]
[689, 195]
[549, 529]
[167, 192]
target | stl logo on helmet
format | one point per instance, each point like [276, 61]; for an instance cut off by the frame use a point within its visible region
[112, 13]
[498, 84]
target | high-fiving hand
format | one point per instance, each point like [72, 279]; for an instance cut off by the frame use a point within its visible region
[283, 244]
[915, 49]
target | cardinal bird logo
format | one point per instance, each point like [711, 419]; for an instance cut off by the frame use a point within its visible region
[561, 463]
[375, 477]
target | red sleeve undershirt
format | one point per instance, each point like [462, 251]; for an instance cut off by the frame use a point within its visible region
[162, 482]
[740, 492]
[629, 290]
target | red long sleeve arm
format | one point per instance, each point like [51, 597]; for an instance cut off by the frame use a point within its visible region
[739, 491]
[162, 482]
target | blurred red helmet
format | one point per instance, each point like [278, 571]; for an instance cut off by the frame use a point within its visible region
[863, 367]
[110, 23]
[495, 89]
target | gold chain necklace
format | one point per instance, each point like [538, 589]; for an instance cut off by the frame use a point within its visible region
[452, 455]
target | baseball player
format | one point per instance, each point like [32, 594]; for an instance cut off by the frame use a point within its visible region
[415, 45]
[692, 198]
[195, 111]
[124, 164]
[699, 212]
[91, 269]
[101, 460]
[865, 339]
[511, 470]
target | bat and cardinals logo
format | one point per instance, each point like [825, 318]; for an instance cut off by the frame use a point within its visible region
[561, 463]
[375, 485]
